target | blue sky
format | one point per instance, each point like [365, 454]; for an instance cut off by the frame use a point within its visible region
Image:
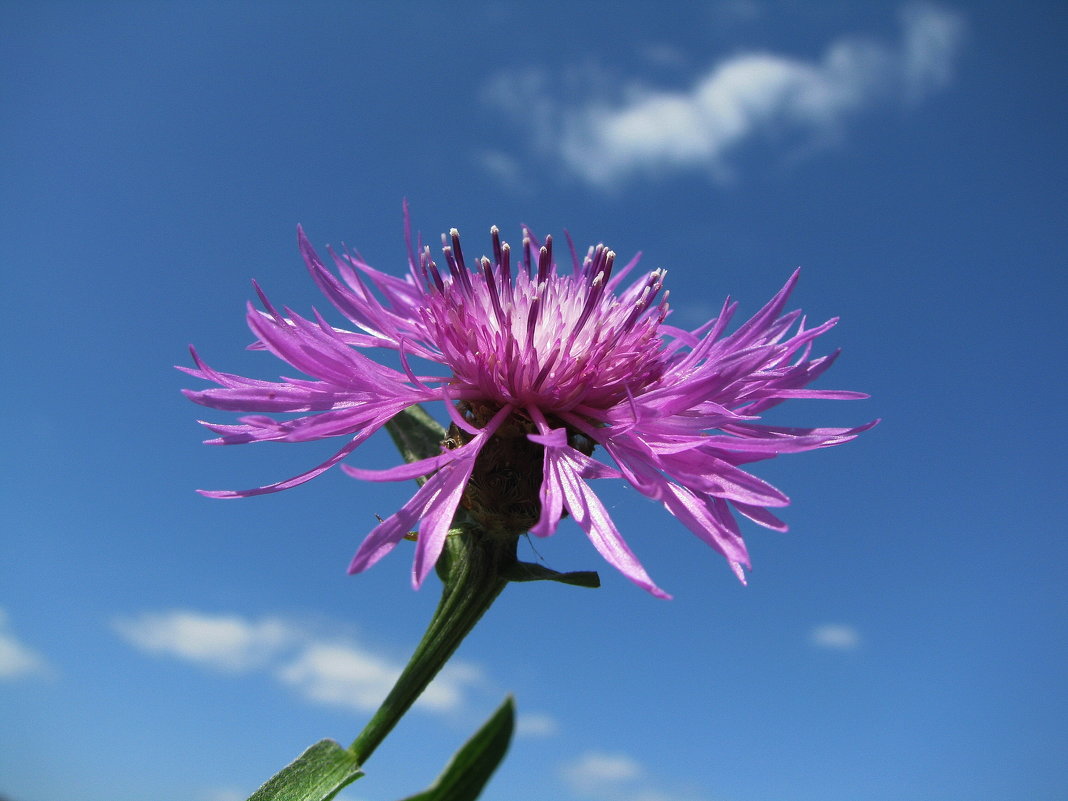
[905, 639]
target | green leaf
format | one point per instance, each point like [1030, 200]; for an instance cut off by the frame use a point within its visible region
[528, 571]
[416, 434]
[471, 767]
[318, 774]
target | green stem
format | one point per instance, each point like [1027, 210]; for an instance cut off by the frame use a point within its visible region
[471, 567]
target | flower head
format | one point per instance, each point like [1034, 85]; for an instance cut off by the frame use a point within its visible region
[542, 367]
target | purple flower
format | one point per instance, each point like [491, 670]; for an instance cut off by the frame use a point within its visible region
[541, 367]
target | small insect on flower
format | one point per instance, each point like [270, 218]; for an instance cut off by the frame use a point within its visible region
[542, 369]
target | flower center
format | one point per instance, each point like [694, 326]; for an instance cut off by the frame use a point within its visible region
[540, 338]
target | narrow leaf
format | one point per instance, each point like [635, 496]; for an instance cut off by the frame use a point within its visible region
[528, 571]
[318, 774]
[474, 764]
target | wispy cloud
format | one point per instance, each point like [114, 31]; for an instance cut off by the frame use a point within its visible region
[835, 637]
[748, 97]
[504, 169]
[595, 773]
[332, 670]
[339, 674]
[606, 776]
[343, 674]
[225, 642]
[536, 724]
[17, 659]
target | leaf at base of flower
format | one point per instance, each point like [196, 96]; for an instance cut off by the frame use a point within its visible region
[528, 571]
[474, 764]
[318, 774]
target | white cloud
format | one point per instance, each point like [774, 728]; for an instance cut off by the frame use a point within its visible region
[340, 675]
[17, 660]
[448, 690]
[750, 96]
[605, 776]
[597, 773]
[835, 637]
[343, 674]
[503, 167]
[224, 642]
[932, 40]
[336, 671]
[536, 724]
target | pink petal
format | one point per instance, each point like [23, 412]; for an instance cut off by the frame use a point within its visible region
[591, 515]
[306, 476]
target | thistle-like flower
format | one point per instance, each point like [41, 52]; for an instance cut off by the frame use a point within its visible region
[543, 367]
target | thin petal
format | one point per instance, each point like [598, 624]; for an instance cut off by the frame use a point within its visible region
[435, 502]
[550, 496]
[760, 516]
[711, 524]
[593, 518]
[392, 530]
[403, 472]
[306, 476]
[438, 518]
